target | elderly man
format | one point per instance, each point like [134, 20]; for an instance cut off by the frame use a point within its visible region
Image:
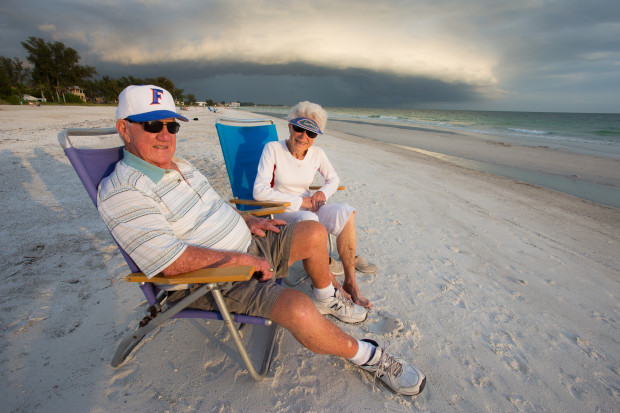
[168, 218]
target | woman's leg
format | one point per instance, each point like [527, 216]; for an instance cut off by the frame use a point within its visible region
[346, 243]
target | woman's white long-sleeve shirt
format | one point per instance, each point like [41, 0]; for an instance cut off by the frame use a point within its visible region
[284, 178]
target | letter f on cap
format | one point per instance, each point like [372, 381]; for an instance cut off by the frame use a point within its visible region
[157, 94]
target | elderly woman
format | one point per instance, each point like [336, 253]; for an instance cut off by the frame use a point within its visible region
[285, 173]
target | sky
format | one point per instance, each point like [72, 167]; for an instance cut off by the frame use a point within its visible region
[525, 55]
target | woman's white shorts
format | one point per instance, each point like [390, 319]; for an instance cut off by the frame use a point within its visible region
[333, 216]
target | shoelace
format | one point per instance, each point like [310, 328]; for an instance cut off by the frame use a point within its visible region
[387, 364]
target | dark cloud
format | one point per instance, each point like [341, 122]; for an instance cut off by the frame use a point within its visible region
[529, 55]
[290, 83]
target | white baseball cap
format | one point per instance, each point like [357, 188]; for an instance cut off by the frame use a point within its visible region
[144, 103]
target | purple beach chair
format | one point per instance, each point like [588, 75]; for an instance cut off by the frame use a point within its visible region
[92, 165]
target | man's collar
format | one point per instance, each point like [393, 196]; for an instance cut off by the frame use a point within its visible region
[154, 173]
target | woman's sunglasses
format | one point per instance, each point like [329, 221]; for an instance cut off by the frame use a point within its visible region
[155, 126]
[298, 129]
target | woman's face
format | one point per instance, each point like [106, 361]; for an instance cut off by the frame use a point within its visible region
[300, 142]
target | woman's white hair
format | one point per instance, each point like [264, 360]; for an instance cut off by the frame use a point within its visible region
[311, 110]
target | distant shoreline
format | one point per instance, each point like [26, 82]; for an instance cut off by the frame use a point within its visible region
[589, 177]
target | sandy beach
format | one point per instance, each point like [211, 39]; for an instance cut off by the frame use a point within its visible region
[505, 294]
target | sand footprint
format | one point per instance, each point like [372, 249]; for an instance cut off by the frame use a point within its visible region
[585, 346]
[381, 323]
[502, 344]
[602, 317]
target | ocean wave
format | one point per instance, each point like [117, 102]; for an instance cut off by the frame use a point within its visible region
[529, 131]
[395, 119]
[385, 117]
[607, 132]
[432, 123]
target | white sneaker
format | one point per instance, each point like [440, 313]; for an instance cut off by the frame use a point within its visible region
[341, 308]
[398, 375]
[335, 266]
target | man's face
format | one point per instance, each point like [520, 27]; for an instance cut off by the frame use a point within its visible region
[155, 148]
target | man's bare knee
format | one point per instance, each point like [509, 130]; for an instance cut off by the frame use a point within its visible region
[293, 307]
[310, 232]
[309, 241]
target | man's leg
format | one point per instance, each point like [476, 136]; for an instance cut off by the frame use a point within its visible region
[296, 312]
[310, 245]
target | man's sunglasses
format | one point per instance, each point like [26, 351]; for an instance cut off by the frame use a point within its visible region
[155, 126]
[299, 129]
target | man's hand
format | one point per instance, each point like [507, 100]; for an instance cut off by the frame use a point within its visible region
[258, 226]
[262, 266]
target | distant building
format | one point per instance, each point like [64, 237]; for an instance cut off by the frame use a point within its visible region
[30, 98]
[234, 105]
[77, 91]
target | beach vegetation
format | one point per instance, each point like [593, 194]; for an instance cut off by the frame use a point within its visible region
[190, 100]
[52, 73]
[5, 85]
[13, 74]
[55, 68]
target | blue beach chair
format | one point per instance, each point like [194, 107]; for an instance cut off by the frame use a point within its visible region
[242, 142]
[92, 165]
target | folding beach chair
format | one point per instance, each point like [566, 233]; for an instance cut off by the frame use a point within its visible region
[92, 165]
[242, 146]
[242, 142]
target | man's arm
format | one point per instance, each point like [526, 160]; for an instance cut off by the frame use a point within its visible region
[194, 258]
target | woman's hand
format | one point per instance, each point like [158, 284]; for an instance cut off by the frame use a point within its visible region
[318, 200]
[306, 202]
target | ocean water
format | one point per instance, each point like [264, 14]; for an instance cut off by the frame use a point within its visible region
[587, 133]
[593, 133]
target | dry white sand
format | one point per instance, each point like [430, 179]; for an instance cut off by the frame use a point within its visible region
[506, 295]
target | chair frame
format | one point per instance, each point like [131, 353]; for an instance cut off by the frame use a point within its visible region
[159, 310]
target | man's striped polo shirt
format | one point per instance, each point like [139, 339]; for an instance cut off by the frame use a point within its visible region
[155, 213]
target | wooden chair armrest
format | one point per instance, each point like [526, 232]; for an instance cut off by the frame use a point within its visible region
[264, 211]
[315, 187]
[259, 203]
[268, 207]
[202, 276]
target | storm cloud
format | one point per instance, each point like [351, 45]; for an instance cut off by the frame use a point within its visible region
[481, 54]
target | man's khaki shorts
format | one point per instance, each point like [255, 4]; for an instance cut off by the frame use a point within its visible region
[253, 297]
